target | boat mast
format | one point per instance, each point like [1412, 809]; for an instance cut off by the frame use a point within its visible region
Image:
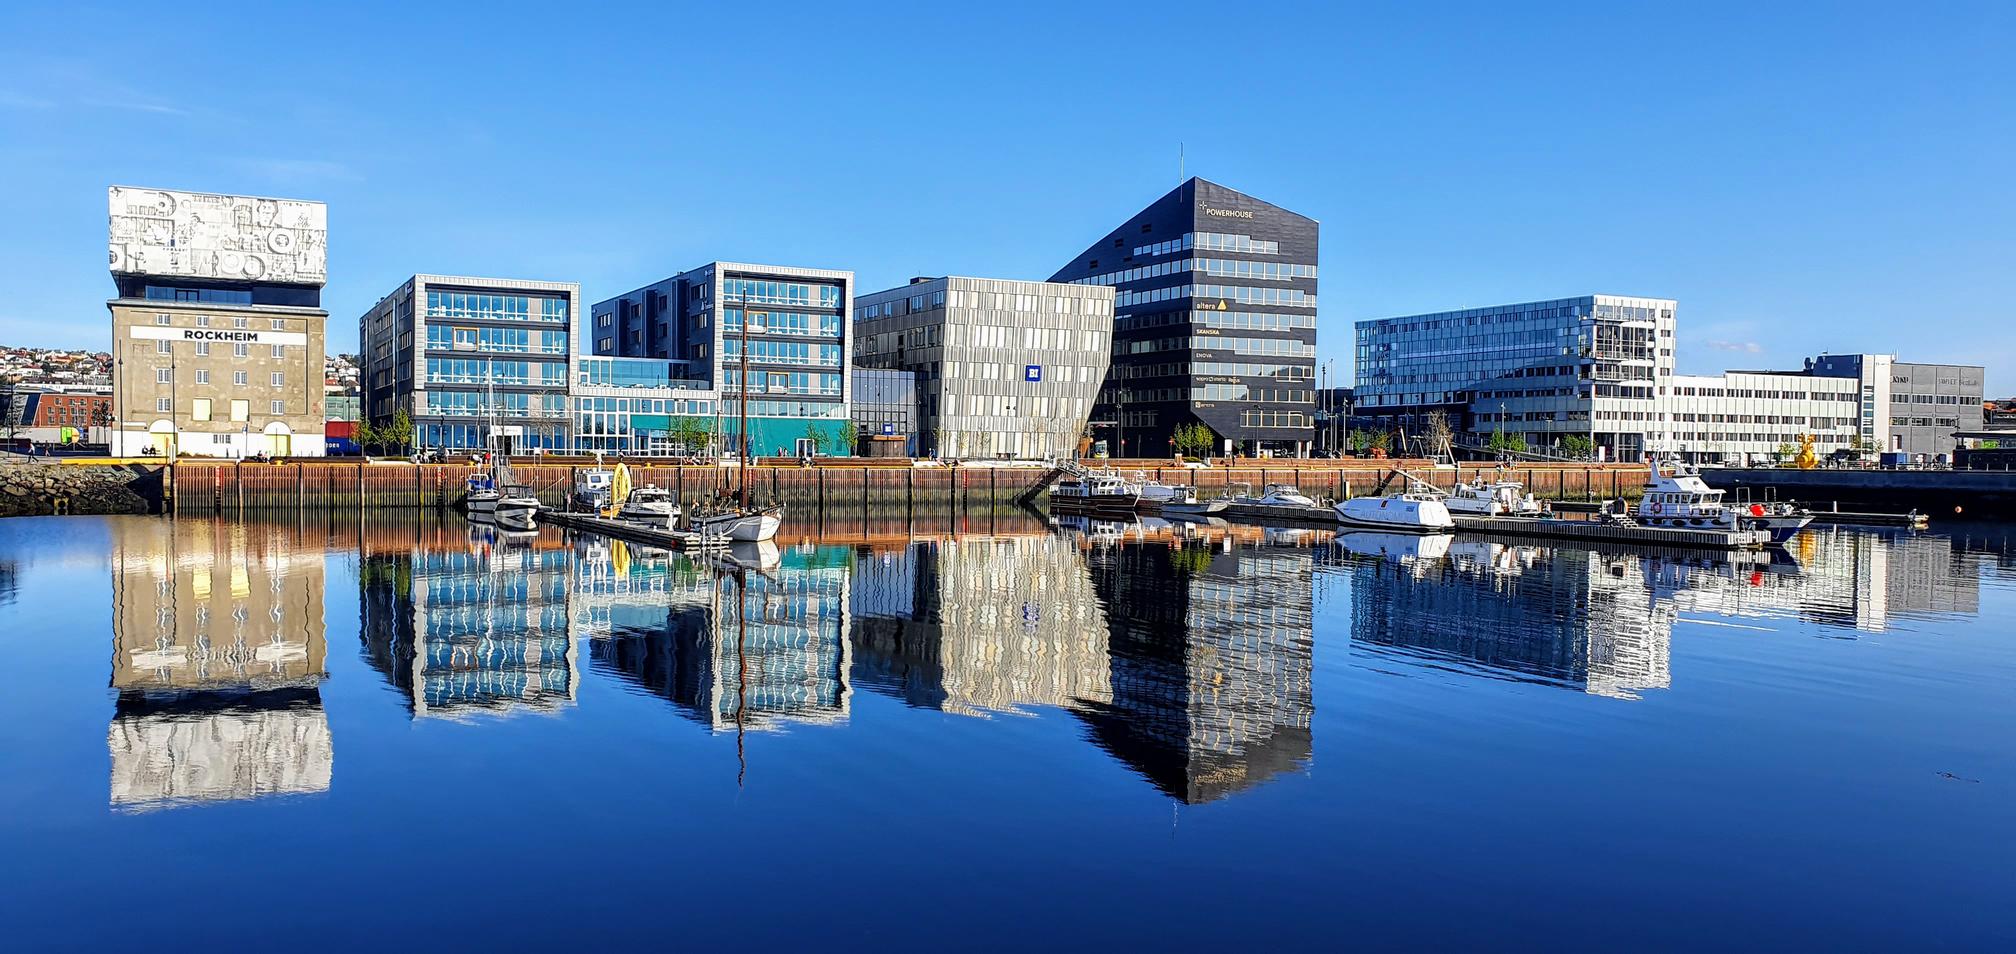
[742, 407]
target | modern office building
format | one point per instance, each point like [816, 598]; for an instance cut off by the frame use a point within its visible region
[1754, 416]
[885, 412]
[479, 363]
[1589, 366]
[1918, 408]
[798, 341]
[637, 406]
[1004, 368]
[217, 330]
[1215, 322]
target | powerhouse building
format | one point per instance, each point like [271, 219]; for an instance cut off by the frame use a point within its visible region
[217, 326]
[798, 321]
[1003, 368]
[1214, 322]
[478, 363]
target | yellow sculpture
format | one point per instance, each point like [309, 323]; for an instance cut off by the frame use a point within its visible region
[1807, 460]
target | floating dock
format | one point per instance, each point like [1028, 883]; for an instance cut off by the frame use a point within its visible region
[1592, 531]
[1839, 518]
[632, 532]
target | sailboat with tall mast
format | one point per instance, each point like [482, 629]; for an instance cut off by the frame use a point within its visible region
[741, 520]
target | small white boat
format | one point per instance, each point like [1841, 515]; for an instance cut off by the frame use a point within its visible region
[1155, 493]
[1412, 512]
[1282, 501]
[1095, 492]
[649, 506]
[515, 507]
[592, 489]
[1498, 498]
[1681, 501]
[1276, 495]
[481, 495]
[1186, 506]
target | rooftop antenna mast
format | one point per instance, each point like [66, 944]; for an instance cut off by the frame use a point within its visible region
[1182, 172]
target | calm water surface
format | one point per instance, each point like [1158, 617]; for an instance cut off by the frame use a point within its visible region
[427, 736]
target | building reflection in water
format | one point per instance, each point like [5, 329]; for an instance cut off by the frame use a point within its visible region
[752, 639]
[218, 657]
[980, 625]
[1209, 644]
[468, 619]
[1602, 620]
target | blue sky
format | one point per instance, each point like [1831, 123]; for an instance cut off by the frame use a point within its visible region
[1801, 177]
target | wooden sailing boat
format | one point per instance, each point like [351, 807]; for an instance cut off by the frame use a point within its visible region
[741, 520]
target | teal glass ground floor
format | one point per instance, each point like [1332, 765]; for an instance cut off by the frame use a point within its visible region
[670, 435]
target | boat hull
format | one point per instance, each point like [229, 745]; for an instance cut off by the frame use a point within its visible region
[1395, 515]
[740, 528]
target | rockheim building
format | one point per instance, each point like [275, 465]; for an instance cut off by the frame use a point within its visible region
[1214, 323]
[217, 330]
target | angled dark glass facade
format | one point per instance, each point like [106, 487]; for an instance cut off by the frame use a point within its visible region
[1214, 323]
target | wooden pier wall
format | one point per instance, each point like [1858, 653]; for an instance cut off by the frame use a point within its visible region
[227, 487]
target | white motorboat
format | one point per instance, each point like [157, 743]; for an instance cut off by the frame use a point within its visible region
[649, 506]
[1412, 512]
[1186, 506]
[1681, 501]
[1095, 492]
[1498, 498]
[515, 507]
[1276, 495]
[1155, 493]
[593, 488]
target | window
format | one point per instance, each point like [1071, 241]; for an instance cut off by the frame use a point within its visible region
[241, 322]
[241, 410]
[241, 350]
[202, 321]
[279, 407]
[162, 375]
[279, 379]
[160, 319]
[202, 347]
[161, 347]
[199, 409]
[279, 351]
[240, 378]
[203, 376]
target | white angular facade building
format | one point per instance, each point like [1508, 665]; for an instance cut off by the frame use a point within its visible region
[1004, 368]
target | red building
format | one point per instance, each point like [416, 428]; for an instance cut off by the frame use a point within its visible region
[81, 411]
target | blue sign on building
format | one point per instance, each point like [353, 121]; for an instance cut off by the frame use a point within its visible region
[889, 429]
[1032, 372]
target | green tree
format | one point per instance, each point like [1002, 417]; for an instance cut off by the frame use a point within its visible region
[1990, 444]
[367, 436]
[398, 435]
[1507, 443]
[821, 440]
[692, 433]
[1193, 439]
[1578, 447]
[1381, 441]
[850, 437]
[1359, 440]
[1784, 453]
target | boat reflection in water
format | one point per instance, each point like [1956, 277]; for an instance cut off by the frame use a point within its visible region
[469, 619]
[217, 661]
[754, 638]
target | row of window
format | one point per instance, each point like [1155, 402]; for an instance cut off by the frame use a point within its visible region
[1241, 392]
[484, 370]
[202, 348]
[1774, 395]
[203, 321]
[507, 340]
[785, 382]
[1278, 297]
[1274, 419]
[1219, 267]
[1281, 347]
[783, 352]
[729, 408]
[238, 378]
[747, 290]
[201, 409]
[454, 304]
[997, 371]
[782, 323]
[1037, 408]
[479, 404]
[1946, 399]
[1924, 422]
[1253, 370]
[1229, 320]
[1213, 241]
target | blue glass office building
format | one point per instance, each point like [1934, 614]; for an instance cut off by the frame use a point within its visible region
[478, 362]
[1214, 322]
[798, 334]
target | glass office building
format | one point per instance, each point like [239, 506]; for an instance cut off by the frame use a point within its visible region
[1215, 323]
[1591, 366]
[798, 321]
[884, 406]
[479, 363]
[1004, 368]
[637, 406]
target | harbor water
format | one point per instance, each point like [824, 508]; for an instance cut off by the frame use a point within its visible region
[376, 731]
